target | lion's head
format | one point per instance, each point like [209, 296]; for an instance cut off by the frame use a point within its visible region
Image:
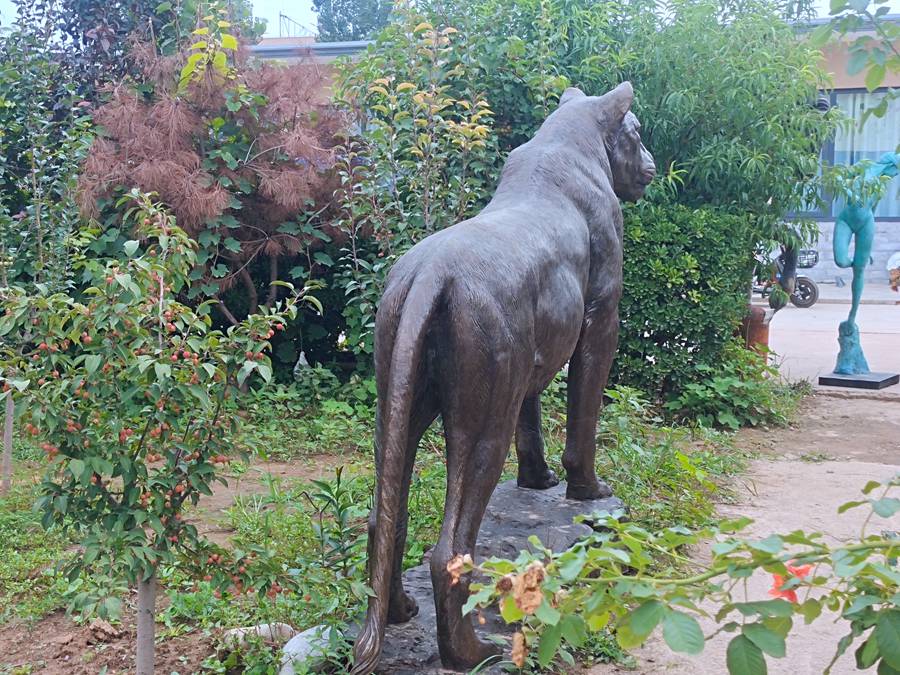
[632, 165]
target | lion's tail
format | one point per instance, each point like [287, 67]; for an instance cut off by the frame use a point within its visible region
[391, 440]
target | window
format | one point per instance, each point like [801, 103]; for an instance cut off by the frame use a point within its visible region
[878, 136]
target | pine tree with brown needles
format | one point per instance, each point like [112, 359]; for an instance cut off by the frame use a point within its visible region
[240, 151]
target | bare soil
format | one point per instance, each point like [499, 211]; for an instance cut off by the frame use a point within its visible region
[57, 646]
[838, 444]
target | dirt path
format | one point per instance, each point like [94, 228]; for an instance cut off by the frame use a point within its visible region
[838, 444]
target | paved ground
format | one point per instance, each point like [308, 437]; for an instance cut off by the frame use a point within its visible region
[805, 340]
[874, 294]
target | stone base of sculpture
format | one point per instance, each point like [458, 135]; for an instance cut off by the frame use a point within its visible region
[513, 515]
[862, 381]
[850, 360]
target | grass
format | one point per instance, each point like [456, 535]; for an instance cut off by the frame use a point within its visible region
[30, 586]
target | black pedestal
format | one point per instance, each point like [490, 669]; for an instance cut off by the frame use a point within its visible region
[865, 381]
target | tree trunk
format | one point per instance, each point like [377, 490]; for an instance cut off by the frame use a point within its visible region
[6, 471]
[146, 626]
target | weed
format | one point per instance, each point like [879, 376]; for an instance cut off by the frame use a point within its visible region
[741, 391]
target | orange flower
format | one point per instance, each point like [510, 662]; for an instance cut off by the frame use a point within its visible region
[776, 592]
[799, 570]
[790, 595]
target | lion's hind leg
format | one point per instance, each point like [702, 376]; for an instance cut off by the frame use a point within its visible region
[479, 413]
[402, 606]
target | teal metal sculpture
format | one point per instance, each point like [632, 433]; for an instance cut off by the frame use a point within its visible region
[862, 186]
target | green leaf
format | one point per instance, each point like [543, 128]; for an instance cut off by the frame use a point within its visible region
[745, 658]
[850, 505]
[875, 76]
[771, 544]
[550, 639]
[574, 630]
[229, 41]
[776, 607]
[766, 639]
[162, 370]
[820, 36]
[113, 607]
[887, 632]
[571, 563]
[867, 653]
[884, 668]
[645, 618]
[871, 485]
[546, 614]
[682, 633]
[510, 611]
[886, 506]
[130, 247]
[246, 369]
[92, 362]
[76, 467]
[481, 597]
[857, 61]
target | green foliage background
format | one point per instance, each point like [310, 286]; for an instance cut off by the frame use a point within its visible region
[686, 279]
[728, 118]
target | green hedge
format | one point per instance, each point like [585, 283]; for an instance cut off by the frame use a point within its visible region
[687, 274]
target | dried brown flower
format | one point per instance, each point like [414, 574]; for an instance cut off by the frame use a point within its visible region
[519, 650]
[527, 591]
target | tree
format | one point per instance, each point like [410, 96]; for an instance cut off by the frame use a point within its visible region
[239, 151]
[343, 20]
[127, 390]
[93, 37]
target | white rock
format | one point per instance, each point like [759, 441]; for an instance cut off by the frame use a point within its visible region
[307, 648]
[274, 632]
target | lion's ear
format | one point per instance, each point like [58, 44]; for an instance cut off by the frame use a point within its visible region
[617, 103]
[570, 94]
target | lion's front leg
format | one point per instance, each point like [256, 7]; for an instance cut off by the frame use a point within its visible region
[533, 470]
[588, 373]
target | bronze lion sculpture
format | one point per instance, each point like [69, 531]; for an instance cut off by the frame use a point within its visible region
[474, 323]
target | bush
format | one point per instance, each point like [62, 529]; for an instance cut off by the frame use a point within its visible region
[741, 391]
[687, 275]
[425, 159]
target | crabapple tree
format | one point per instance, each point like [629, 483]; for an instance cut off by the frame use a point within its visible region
[127, 392]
